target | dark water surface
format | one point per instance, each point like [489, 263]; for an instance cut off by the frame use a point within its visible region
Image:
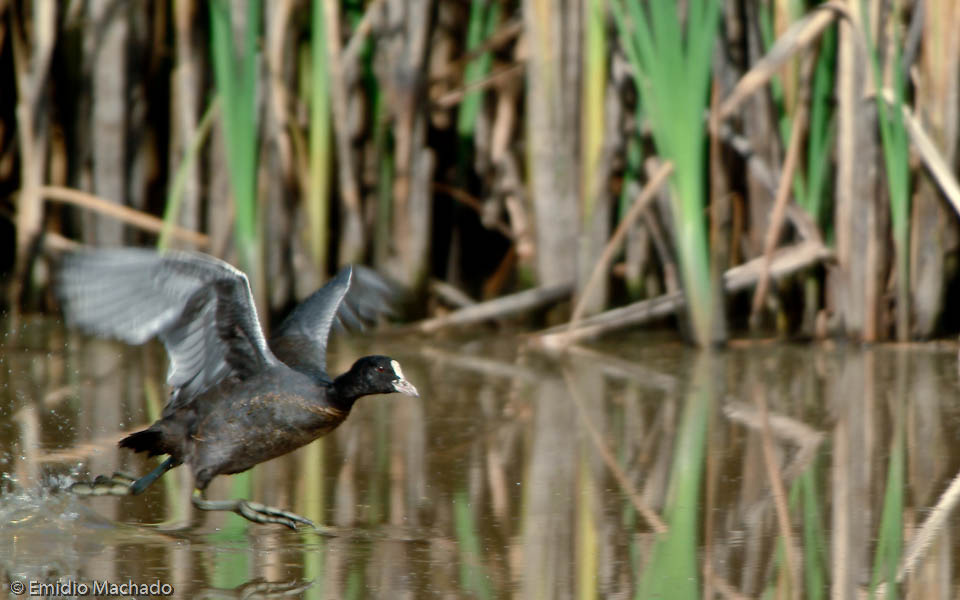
[514, 475]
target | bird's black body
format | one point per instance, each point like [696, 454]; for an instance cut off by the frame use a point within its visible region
[236, 401]
[241, 423]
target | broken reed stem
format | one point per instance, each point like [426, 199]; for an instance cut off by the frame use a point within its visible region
[501, 307]
[450, 294]
[603, 263]
[31, 62]
[500, 38]
[783, 194]
[121, 213]
[361, 31]
[800, 35]
[651, 517]
[785, 261]
[455, 96]
[931, 156]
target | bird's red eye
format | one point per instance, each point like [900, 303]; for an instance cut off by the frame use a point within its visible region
[379, 369]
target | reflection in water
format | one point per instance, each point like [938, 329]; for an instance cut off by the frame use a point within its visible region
[636, 469]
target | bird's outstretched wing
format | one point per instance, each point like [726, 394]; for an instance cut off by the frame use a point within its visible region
[200, 307]
[356, 295]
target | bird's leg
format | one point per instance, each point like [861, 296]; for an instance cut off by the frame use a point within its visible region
[252, 511]
[121, 484]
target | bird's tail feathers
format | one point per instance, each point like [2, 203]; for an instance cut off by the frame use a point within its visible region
[148, 440]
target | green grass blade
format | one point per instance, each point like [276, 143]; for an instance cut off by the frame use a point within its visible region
[593, 94]
[673, 569]
[484, 16]
[311, 506]
[896, 154]
[672, 69]
[318, 190]
[171, 211]
[587, 537]
[890, 543]
[236, 81]
[822, 130]
[473, 577]
[814, 536]
[232, 569]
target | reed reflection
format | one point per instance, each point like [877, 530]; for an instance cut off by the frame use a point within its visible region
[626, 470]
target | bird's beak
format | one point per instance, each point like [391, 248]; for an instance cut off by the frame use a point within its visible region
[405, 387]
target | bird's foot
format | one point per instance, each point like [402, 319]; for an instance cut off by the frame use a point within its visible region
[119, 484]
[260, 513]
[254, 511]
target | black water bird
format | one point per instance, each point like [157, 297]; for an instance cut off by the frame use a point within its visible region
[235, 400]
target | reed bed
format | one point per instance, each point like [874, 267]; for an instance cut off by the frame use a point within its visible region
[495, 146]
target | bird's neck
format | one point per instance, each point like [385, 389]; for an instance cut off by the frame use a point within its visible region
[345, 390]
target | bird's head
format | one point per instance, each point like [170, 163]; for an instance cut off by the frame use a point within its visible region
[381, 375]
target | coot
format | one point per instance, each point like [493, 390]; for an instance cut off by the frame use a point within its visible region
[236, 401]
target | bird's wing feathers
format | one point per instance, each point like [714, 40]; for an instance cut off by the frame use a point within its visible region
[369, 296]
[200, 307]
[301, 340]
[356, 295]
